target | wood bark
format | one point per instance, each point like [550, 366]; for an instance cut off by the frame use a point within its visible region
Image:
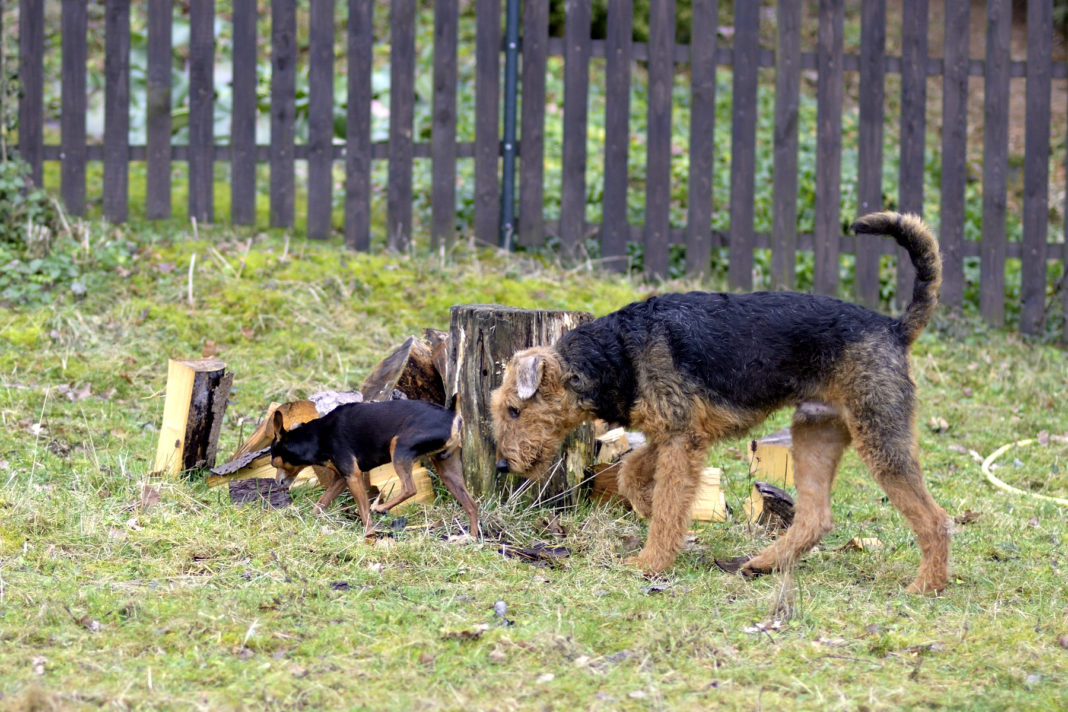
[197, 395]
[483, 339]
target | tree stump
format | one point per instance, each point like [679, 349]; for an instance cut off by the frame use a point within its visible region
[483, 338]
[197, 394]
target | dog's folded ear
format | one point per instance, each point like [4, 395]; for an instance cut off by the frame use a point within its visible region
[529, 370]
[276, 426]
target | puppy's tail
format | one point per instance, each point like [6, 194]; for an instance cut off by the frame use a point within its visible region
[913, 234]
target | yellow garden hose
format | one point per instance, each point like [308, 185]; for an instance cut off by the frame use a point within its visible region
[1007, 487]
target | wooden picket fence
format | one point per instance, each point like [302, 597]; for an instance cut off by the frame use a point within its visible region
[662, 57]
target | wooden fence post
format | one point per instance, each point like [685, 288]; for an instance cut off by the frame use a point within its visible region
[483, 339]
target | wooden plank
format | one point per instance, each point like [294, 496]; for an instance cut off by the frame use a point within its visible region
[358, 147]
[618, 60]
[872, 97]
[201, 109]
[913, 129]
[320, 118]
[1036, 166]
[743, 142]
[954, 151]
[702, 134]
[401, 116]
[31, 80]
[787, 116]
[487, 120]
[116, 109]
[243, 115]
[829, 90]
[995, 161]
[576, 93]
[535, 45]
[283, 110]
[158, 100]
[72, 129]
[443, 136]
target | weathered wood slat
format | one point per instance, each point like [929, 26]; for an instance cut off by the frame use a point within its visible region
[158, 122]
[320, 118]
[576, 94]
[201, 109]
[535, 44]
[243, 116]
[829, 90]
[487, 120]
[360, 38]
[743, 142]
[283, 111]
[787, 117]
[31, 79]
[72, 122]
[954, 152]
[1036, 166]
[871, 97]
[658, 138]
[116, 109]
[618, 62]
[401, 116]
[913, 128]
[995, 161]
[443, 136]
[704, 31]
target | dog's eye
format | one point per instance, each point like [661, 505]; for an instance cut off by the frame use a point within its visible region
[513, 412]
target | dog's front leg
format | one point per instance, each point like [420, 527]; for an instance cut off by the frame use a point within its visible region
[635, 479]
[331, 493]
[359, 493]
[674, 488]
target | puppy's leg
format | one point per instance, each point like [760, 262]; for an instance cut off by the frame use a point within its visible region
[403, 458]
[357, 486]
[635, 479]
[332, 491]
[678, 467]
[818, 444]
[449, 467]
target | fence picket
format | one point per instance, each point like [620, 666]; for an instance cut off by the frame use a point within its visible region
[913, 129]
[31, 78]
[401, 116]
[443, 136]
[954, 152]
[283, 110]
[872, 99]
[576, 94]
[743, 142]
[320, 118]
[487, 120]
[615, 230]
[995, 161]
[201, 108]
[535, 47]
[829, 138]
[703, 47]
[243, 115]
[72, 129]
[116, 109]
[787, 107]
[1036, 166]
[158, 120]
[658, 138]
[360, 39]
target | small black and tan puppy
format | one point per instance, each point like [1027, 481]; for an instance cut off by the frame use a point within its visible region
[355, 438]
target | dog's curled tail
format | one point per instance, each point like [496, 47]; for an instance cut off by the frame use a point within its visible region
[913, 234]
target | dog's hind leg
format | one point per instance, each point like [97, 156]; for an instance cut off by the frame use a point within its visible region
[678, 467]
[449, 466]
[819, 439]
[635, 479]
[403, 458]
[891, 457]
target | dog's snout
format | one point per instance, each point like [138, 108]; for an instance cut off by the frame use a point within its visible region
[502, 466]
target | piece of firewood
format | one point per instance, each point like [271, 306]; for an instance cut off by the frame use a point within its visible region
[409, 369]
[769, 506]
[770, 459]
[197, 395]
[710, 503]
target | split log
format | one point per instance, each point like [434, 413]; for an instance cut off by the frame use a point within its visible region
[770, 458]
[409, 369]
[769, 506]
[197, 394]
[710, 503]
[482, 340]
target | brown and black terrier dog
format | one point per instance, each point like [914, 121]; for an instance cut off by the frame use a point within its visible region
[353, 439]
[689, 369]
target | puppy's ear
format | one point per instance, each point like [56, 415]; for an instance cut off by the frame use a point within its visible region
[529, 371]
[276, 426]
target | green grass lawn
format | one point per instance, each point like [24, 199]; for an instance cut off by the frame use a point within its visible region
[110, 598]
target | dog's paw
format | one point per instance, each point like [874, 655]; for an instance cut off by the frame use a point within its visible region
[645, 564]
[737, 565]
